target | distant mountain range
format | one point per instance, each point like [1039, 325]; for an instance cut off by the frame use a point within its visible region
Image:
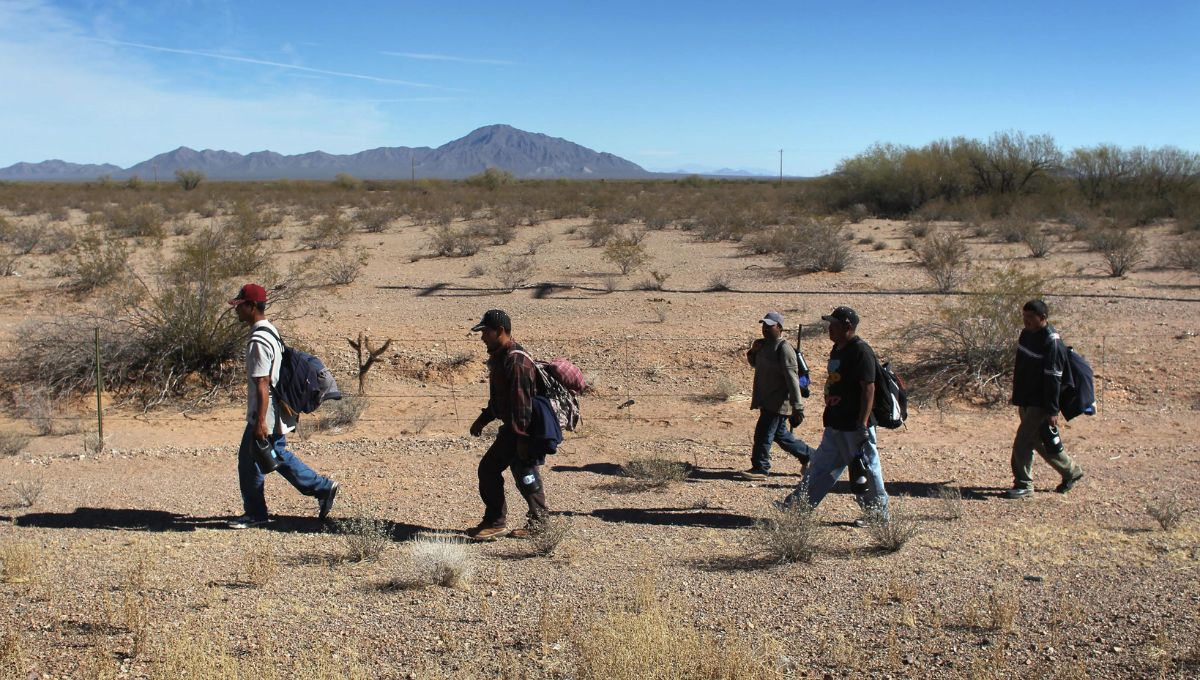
[527, 155]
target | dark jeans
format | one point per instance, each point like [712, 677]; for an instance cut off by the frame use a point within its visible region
[501, 456]
[251, 479]
[773, 428]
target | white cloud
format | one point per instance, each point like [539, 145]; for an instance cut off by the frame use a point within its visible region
[423, 56]
[71, 97]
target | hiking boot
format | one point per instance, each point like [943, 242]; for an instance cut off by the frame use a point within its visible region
[1017, 492]
[485, 532]
[247, 522]
[1069, 483]
[325, 503]
[753, 475]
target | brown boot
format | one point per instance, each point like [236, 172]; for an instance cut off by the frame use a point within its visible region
[485, 532]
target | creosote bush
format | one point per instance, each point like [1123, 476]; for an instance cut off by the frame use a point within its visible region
[344, 266]
[1122, 249]
[968, 348]
[95, 262]
[12, 443]
[945, 259]
[189, 179]
[514, 270]
[449, 242]
[626, 252]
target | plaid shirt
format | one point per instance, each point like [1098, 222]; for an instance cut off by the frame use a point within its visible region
[512, 385]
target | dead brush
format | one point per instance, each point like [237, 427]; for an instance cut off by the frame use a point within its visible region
[641, 474]
[892, 527]
[12, 443]
[1168, 512]
[364, 536]
[1002, 608]
[649, 639]
[29, 490]
[442, 560]
[546, 535]
[340, 414]
[786, 533]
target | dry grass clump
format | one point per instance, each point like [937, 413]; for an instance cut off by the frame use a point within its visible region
[546, 535]
[1002, 608]
[12, 443]
[648, 640]
[653, 473]
[891, 528]
[365, 537]
[791, 532]
[29, 490]
[723, 389]
[442, 560]
[12, 655]
[514, 270]
[338, 414]
[951, 500]
[17, 562]
[1168, 512]
[195, 651]
[260, 565]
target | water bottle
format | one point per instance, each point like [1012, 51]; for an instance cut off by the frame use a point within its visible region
[264, 455]
[1051, 440]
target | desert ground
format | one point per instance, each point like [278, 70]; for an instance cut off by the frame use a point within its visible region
[122, 566]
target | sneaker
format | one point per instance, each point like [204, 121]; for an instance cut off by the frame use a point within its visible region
[325, 503]
[487, 533]
[1068, 484]
[753, 475]
[1017, 492]
[247, 522]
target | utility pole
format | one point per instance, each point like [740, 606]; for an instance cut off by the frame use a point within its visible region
[781, 167]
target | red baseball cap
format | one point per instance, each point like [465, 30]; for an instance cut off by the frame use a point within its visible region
[251, 292]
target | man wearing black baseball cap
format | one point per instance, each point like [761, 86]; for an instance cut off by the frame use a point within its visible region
[849, 437]
[512, 385]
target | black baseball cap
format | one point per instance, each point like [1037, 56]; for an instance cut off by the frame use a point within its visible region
[494, 319]
[843, 314]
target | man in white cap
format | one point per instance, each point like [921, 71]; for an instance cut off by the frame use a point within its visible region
[777, 397]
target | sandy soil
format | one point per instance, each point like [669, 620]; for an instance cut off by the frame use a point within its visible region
[1096, 588]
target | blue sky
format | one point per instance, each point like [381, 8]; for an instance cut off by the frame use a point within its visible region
[664, 84]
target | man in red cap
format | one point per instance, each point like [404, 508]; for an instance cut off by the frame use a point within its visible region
[265, 424]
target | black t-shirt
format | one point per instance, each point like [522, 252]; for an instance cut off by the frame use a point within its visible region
[848, 367]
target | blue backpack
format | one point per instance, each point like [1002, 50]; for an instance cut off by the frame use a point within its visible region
[304, 382]
[1078, 392]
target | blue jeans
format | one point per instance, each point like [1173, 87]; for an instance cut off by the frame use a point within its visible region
[773, 428]
[250, 478]
[837, 451]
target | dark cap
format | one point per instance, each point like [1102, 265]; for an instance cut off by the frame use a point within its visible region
[843, 314]
[494, 319]
[772, 319]
[251, 292]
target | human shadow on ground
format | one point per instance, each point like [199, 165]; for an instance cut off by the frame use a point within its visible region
[607, 469]
[681, 517]
[925, 489]
[132, 519]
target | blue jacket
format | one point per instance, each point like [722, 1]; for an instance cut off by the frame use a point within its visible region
[545, 434]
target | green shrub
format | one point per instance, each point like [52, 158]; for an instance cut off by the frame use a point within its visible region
[145, 220]
[626, 253]
[189, 179]
[331, 231]
[813, 246]
[490, 179]
[95, 262]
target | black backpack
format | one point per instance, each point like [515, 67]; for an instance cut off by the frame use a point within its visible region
[304, 382]
[1078, 391]
[891, 397]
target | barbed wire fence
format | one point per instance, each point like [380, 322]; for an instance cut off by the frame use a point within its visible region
[667, 379]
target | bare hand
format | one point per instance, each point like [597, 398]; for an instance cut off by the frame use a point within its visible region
[260, 431]
[477, 427]
[1052, 420]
